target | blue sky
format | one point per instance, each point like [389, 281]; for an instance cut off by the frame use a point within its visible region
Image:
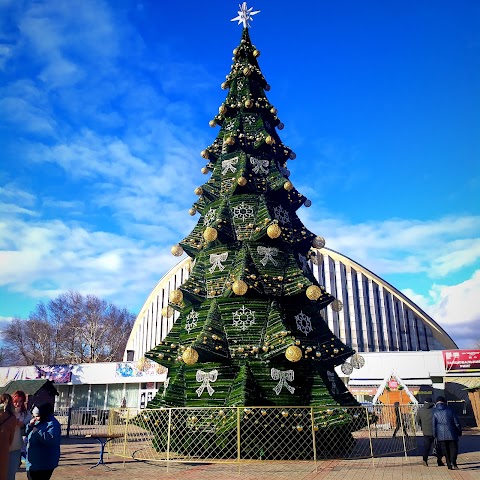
[104, 108]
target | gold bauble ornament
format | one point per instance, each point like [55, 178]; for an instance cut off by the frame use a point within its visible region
[198, 191]
[239, 287]
[222, 109]
[210, 234]
[242, 181]
[247, 71]
[313, 292]
[190, 356]
[204, 154]
[288, 186]
[270, 140]
[204, 170]
[318, 242]
[274, 231]
[293, 353]
[192, 211]
[273, 111]
[256, 53]
[212, 123]
[224, 85]
[230, 140]
[235, 51]
[337, 305]
[167, 311]
[177, 250]
[248, 103]
[176, 296]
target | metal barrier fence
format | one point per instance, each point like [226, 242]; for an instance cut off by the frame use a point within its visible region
[237, 434]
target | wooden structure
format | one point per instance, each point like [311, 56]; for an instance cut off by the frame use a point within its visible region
[38, 392]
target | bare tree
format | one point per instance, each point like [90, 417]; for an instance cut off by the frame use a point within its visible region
[68, 329]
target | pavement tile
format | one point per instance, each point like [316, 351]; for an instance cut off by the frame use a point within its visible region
[79, 454]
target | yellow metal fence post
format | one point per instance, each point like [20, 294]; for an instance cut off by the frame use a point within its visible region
[314, 444]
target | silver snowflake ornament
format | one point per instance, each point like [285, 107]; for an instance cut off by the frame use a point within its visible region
[191, 320]
[304, 323]
[209, 217]
[281, 215]
[243, 318]
[242, 211]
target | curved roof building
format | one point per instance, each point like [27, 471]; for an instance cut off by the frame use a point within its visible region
[376, 317]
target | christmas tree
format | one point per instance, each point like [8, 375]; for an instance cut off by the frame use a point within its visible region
[250, 330]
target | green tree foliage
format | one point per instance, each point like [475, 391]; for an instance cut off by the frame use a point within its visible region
[250, 330]
[71, 328]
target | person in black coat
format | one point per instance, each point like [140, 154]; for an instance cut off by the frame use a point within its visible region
[399, 423]
[446, 429]
[425, 421]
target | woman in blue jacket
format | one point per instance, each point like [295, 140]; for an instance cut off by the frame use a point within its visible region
[446, 429]
[43, 447]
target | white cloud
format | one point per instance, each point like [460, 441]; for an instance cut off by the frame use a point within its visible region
[51, 257]
[455, 307]
[436, 248]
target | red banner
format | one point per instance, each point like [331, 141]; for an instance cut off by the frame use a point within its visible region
[461, 360]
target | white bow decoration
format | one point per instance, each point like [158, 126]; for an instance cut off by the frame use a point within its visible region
[259, 165]
[206, 378]
[216, 259]
[269, 253]
[228, 165]
[283, 377]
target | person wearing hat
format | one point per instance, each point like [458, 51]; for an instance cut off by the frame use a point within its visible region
[446, 429]
[43, 448]
[425, 421]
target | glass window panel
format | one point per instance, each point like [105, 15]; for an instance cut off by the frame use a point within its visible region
[80, 398]
[115, 395]
[131, 395]
[97, 396]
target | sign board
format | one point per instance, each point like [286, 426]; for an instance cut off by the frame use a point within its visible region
[392, 384]
[461, 360]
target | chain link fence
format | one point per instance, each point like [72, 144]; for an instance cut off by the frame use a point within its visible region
[242, 434]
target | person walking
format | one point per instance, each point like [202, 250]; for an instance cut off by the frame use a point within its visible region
[23, 416]
[446, 429]
[7, 431]
[425, 421]
[398, 421]
[43, 447]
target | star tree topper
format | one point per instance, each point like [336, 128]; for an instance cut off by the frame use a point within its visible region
[245, 14]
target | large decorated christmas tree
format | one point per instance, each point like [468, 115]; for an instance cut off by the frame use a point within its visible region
[250, 330]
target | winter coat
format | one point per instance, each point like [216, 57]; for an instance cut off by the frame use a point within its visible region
[43, 448]
[446, 425]
[8, 423]
[425, 418]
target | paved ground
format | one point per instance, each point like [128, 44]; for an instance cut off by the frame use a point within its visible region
[79, 454]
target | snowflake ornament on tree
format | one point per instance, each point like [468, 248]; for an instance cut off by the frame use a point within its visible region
[304, 323]
[242, 211]
[281, 215]
[243, 318]
[191, 320]
[209, 217]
